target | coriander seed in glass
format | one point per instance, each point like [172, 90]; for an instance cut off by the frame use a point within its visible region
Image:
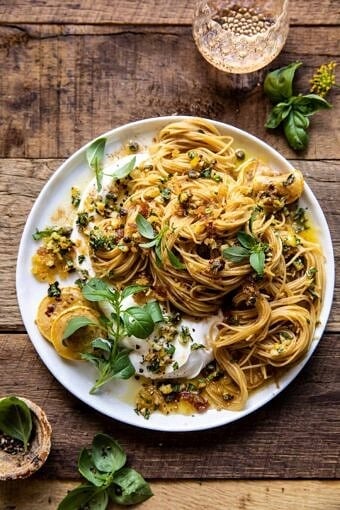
[240, 36]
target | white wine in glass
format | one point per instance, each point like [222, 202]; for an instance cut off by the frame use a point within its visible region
[240, 36]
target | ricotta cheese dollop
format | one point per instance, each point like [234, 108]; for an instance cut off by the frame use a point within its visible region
[175, 349]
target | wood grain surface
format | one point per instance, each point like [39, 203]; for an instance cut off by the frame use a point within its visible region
[81, 85]
[192, 495]
[146, 12]
[73, 70]
[285, 439]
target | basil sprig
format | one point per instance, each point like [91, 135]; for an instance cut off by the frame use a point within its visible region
[250, 248]
[16, 419]
[291, 111]
[107, 478]
[109, 357]
[155, 240]
[95, 157]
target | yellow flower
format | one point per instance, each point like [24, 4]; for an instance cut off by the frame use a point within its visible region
[323, 79]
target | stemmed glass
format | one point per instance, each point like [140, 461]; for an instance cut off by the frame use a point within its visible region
[240, 36]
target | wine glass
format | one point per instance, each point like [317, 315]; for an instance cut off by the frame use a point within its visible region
[240, 36]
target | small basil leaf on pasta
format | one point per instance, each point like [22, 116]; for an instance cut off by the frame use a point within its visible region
[256, 261]
[122, 367]
[124, 170]
[155, 311]
[138, 322]
[150, 244]
[144, 227]
[236, 253]
[95, 156]
[132, 289]
[97, 290]
[174, 260]
[101, 343]
[76, 323]
[246, 240]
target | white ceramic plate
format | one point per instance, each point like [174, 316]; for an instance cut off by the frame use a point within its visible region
[78, 377]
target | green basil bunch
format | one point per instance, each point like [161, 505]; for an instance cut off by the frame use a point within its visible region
[109, 357]
[291, 111]
[103, 466]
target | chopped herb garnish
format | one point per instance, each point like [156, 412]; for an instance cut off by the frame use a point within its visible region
[166, 194]
[184, 335]
[83, 220]
[54, 290]
[75, 196]
[195, 346]
[48, 231]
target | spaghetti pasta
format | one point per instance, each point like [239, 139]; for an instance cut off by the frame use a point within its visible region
[201, 202]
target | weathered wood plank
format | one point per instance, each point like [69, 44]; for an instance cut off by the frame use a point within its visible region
[191, 495]
[59, 90]
[21, 180]
[284, 439]
[302, 12]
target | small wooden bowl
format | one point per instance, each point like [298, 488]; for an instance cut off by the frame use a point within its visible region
[24, 464]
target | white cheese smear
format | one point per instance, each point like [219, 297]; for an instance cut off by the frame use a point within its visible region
[190, 347]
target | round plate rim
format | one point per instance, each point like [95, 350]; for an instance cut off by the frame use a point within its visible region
[224, 417]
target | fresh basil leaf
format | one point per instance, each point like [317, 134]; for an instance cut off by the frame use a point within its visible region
[76, 323]
[107, 455]
[155, 311]
[174, 260]
[99, 501]
[129, 488]
[102, 343]
[277, 115]
[149, 244]
[158, 252]
[295, 129]
[278, 84]
[138, 322]
[16, 419]
[93, 358]
[236, 253]
[256, 261]
[144, 227]
[246, 240]
[77, 498]
[95, 156]
[122, 367]
[88, 469]
[124, 170]
[310, 104]
[97, 290]
[132, 289]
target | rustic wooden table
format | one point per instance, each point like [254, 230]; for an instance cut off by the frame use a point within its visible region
[72, 70]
